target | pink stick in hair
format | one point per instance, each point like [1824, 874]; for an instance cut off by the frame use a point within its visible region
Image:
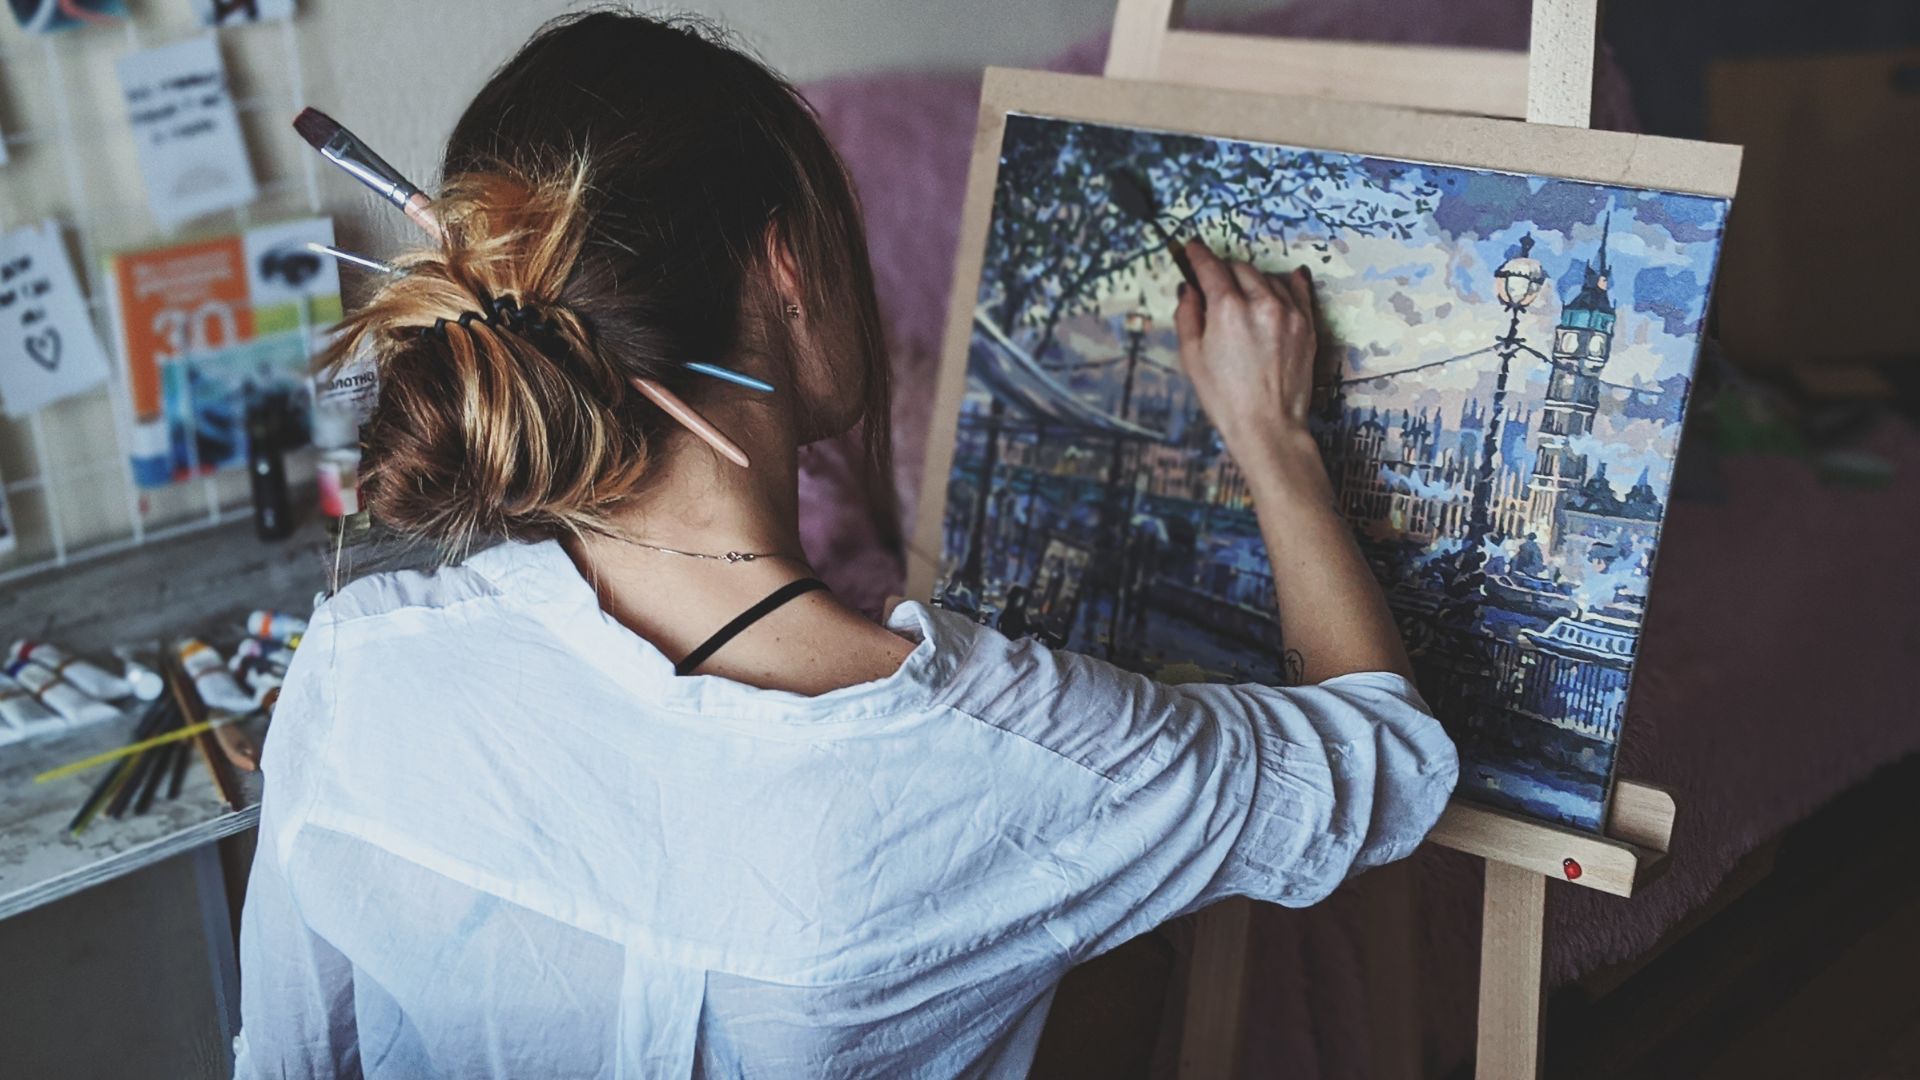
[671, 404]
[418, 209]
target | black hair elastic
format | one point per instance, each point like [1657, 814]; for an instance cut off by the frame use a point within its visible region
[500, 312]
[529, 322]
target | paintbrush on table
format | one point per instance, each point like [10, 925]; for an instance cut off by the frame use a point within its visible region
[1132, 196]
[181, 759]
[193, 713]
[117, 778]
[157, 775]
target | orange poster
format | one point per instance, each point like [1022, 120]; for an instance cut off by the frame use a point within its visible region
[206, 325]
[176, 301]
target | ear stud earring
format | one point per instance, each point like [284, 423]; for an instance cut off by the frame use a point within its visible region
[793, 310]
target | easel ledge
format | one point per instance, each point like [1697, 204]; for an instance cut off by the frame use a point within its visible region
[1632, 852]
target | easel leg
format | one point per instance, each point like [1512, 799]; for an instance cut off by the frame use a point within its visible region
[1512, 946]
[1217, 992]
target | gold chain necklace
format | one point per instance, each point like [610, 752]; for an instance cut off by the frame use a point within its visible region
[726, 557]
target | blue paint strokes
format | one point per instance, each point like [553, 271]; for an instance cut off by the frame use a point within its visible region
[1674, 297]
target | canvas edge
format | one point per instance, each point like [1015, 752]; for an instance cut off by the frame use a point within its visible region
[950, 382]
[1634, 682]
[1615, 158]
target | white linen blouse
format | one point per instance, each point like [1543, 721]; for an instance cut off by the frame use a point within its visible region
[500, 838]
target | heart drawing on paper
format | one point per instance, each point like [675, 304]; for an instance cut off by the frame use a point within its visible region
[44, 348]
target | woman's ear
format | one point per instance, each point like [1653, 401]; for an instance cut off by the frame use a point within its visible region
[786, 272]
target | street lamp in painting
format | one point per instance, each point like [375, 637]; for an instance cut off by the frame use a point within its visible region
[1517, 284]
[1138, 325]
[1519, 280]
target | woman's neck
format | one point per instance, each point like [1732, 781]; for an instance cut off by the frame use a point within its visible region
[695, 500]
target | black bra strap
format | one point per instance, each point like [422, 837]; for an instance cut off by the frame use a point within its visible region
[745, 619]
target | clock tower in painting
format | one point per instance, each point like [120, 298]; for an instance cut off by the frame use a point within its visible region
[1581, 344]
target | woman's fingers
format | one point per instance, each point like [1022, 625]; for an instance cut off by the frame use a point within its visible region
[1215, 279]
[1298, 286]
[1189, 317]
[1253, 284]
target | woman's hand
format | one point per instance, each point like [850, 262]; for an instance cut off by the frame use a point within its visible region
[1249, 351]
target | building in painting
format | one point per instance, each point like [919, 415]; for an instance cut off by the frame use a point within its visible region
[1399, 471]
[1407, 471]
[1581, 344]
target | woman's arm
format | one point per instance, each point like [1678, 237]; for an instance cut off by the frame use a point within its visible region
[1249, 351]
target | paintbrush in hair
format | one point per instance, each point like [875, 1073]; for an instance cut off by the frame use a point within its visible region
[365, 262]
[344, 148]
[1130, 194]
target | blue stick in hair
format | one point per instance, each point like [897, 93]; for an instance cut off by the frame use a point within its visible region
[729, 375]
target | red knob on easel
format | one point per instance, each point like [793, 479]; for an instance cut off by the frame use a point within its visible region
[1572, 867]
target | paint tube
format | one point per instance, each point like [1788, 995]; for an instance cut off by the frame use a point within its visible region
[257, 675]
[59, 695]
[276, 626]
[95, 680]
[146, 682]
[212, 679]
[22, 715]
[271, 653]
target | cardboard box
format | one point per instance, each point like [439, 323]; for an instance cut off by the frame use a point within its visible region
[1819, 261]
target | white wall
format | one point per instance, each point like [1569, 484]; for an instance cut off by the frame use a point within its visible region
[398, 72]
[371, 75]
[403, 92]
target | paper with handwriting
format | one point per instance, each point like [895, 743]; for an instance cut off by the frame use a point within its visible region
[48, 348]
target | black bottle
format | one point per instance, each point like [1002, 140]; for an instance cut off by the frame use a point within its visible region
[267, 424]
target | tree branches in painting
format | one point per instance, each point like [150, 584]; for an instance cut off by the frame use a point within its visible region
[1063, 241]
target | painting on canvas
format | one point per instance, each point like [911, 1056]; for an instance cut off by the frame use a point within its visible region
[1506, 362]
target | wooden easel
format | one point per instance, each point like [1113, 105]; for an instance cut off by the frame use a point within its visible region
[1552, 83]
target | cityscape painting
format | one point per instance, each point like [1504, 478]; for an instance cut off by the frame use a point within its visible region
[1506, 360]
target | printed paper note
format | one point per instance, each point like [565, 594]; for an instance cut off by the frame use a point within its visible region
[191, 154]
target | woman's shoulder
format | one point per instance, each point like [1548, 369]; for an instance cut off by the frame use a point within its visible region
[1075, 705]
[485, 576]
[989, 665]
[380, 645]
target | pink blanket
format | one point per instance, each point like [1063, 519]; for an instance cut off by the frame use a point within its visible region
[1768, 679]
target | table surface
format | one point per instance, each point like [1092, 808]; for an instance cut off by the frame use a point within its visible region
[203, 583]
